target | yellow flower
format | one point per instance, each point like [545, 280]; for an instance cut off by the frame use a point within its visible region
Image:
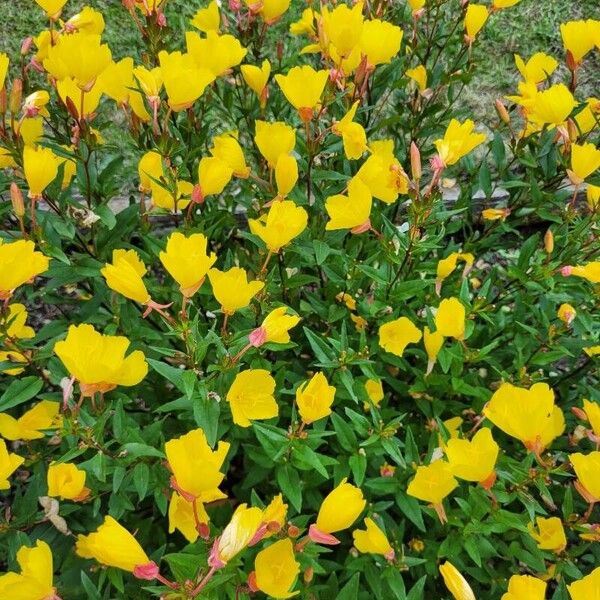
[550, 534]
[35, 104]
[314, 398]
[29, 426]
[455, 583]
[450, 318]
[475, 18]
[280, 225]
[276, 569]
[275, 328]
[256, 78]
[67, 482]
[98, 361]
[495, 214]
[382, 173]
[432, 483]
[372, 540]
[306, 23]
[351, 211]
[528, 415]
[6, 159]
[566, 313]
[52, 8]
[587, 469]
[19, 262]
[184, 81]
[552, 106]
[589, 271]
[498, 4]
[433, 341]
[40, 166]
[585, 160]
[238, 533]
[592, 350]
[286, 174]
[474, 460]
[87, 20]
[416, 5]
[419, 75]
[380, 41]
[148, 7]
[215, 53]
[338, 511]
[538, 68]
[251, 397]
[213, 175]
[396, 335]
[274, 515]
[459, 139]
[271, 10]
[173, 197]
[525, 587]
[208, 18]
[149, 167]
[195, 466]
[64, 59]
[34, 582]
[4, 61]
[579, 37]
[374, 389]
[587, 587]
[446, 267]
[187, 261]
[592, 412]
[181, 517]
[14, 357]
[14, 322]
[150, 81]
[593, 197]
[67, 88]
[227, 148]
[117, 82]
[112, 545]
[588, 118]
[303, 87]
[232, 288]
[9, 462]
[342, 27]
[353, 134]
[359, 323]
[124, 275]
[273, 140]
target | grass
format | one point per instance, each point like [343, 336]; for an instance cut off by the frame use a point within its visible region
[531, 26]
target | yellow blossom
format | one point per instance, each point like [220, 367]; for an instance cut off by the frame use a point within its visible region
[590, 271]
[273, 140]
[474, 460]
[149, 168]
[67, 482]
[314, 398]
[475, 18]
[213, 175]
[251, 397]
[306, 23]
[450, 318]
[275, 328]
[380, 41]
[118, 82]
[195, 466]
[112, 545]
[272, 10]
[208, 18]
[14, 322]
[550, 534]
[12, 356]
[498, 4]
[187, 261]
[98, 361]
[181, 516]
[150, 81]
[40, 166]
[342, 27]
[215, 53]
[280, 225]
[34, 582]
[418, 75]
[525, 587]
[29, 426]
[588, 118]
[256, 78]
[592, 350]
[459, 139]
[446, 267]
[353, 134]
[579, 37]
[394, 336]
[4, 62]
[433, 341]
[173, 197]
[286, 174]
[227, 148]
[416, 5]
[84, 106]
[456, 584]
[274, 515]
[303, 87]
[238, 533]
[587, 469]
[9, 462]
[552, 106]
[124, 275]
[538, 68]
[528, 415]
[19, 263]
[432, 483]
[495, 214]
[351, 211]
[566, 313]
[587, 587]
[87, 20]
[35, 104]
[372, 540]
[585, 160]
[592, 412]
[276, 569]
[52, 8]
[232, 288]
[374, 389]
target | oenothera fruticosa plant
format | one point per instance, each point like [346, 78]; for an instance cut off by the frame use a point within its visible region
[249, 341]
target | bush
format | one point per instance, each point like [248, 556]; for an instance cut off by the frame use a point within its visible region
[278, 317]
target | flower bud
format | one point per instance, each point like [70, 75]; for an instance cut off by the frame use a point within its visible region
[26, 45]
[3, 101]
[308, 574]
[16, 97]
[572, 130]
[502, 112]
[549, 241]
[293, 531]
[16, 198]
[415, 162]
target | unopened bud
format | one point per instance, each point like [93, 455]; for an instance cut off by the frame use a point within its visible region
[293, 531]
[279, 50]
[579, 413]
[415, 162]
[26, 45]
[308, 574]
[3, 101]
[572, 130]
[571, 62]
[502, 112]
[16, 97]
[549, 241]
[16, 198]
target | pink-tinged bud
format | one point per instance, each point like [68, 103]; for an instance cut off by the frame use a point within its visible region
[235, 5]
[571, 62]
[197, 195]
[320, 537]
[35, 65]
[549, 241]
[251, 582]
[437, 164]
[258, 337]
[566, 271]
[213, 558]
[293, 531]
[273, 527]
[366, 226]
[16, 198]
[415, 162]
[149, 571]
[390, 556]
[161, 20]
[306, 114]
[579, 413]
[387, 470]
[16, 96]
[3, 101]
[259, 535]
[572, 130]
[279, 50]
[308, 574]
[129, 4]
[26, 45]
[502, 112]
[203, 530]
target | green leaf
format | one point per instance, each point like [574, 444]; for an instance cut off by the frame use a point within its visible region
[350, 590]
[289, 482]
[411, 508]
[206, 414]
[135, 450]
[20, 391]
[141, 478]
